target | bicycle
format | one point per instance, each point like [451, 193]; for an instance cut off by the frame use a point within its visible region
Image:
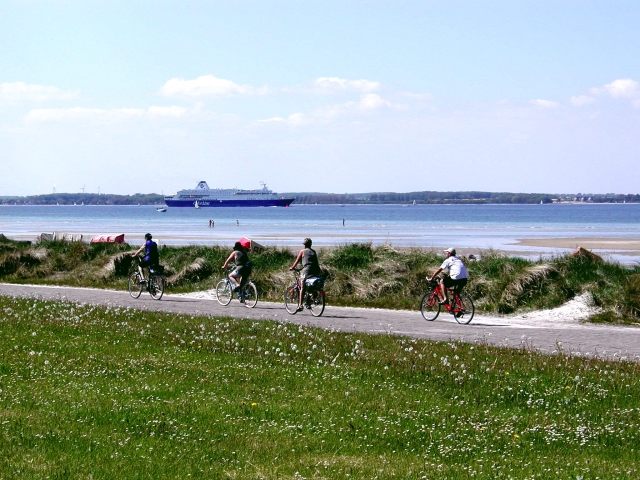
[313, 298]
[248, 293]
[459, 305]
[154, 284]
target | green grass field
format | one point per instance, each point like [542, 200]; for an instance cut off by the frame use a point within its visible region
[114, 393]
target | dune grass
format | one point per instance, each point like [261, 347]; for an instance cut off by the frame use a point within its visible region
[358, 275]
[113, 393]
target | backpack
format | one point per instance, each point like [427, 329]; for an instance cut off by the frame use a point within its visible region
[314, 283]
[154, 255]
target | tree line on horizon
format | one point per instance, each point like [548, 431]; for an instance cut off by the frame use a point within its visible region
[424, 197]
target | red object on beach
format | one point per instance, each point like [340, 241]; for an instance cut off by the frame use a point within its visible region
[245, 242]
[108, 238]
[250, 244]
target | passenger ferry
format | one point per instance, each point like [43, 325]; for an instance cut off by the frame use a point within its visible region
[203, 196]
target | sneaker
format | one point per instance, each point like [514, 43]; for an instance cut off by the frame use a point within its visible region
[300, 308]
[241, 299]
[142, 281]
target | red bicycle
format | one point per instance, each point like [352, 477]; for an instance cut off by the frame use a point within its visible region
[459, 305]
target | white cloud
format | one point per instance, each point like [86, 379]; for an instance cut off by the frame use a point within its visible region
[366, 104]
[335, 84]
[20, 91]
[581, 100]
[51, 115]
[207, 86]
[622, 88]
[294, 120]
[544, 103]
[373, 101]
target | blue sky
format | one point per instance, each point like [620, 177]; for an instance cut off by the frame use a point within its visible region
[334, 96]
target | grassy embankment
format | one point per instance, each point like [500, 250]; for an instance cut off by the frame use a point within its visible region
[114, 393]
[359, 275]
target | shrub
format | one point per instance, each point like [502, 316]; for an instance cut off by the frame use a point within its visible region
[631, 297]
[271, 259]
[351, 257]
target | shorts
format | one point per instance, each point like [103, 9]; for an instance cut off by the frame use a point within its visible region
[153, 267]
[241, 271]
[146, 262]
[456, 284]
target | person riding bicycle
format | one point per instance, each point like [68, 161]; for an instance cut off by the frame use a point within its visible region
[240, 274]
[151, 258]
[455, 275]
[310, 266]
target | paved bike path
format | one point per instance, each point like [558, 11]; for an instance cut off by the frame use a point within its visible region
[611, 342]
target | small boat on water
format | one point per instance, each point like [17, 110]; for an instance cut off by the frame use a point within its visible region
[203, 196]
[161, 209]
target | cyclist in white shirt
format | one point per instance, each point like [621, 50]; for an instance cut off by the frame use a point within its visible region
[455, 275]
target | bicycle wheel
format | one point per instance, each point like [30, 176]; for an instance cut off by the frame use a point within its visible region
[156, 286]
[223, 292]
[250, 293]
[465, 308]
[135, 285]
[429, 307]
[291, 294]
[316, 303]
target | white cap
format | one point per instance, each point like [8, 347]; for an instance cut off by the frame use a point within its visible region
[450, 250]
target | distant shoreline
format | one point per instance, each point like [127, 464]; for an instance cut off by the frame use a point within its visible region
[370, 198]
[159, 204]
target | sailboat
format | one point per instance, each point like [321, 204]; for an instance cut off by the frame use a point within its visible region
[196, 205]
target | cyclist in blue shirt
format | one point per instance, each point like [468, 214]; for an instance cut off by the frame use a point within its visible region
[151, 258]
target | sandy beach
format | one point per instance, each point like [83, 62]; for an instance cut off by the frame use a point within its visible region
[620, 245]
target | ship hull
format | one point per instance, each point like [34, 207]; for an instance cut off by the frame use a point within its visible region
[183, 202]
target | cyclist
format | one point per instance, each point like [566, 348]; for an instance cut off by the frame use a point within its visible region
[240, 274]
[310, 266]
[455, 275]
[151, 258]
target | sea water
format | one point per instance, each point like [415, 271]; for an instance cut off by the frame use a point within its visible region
[427, 226]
